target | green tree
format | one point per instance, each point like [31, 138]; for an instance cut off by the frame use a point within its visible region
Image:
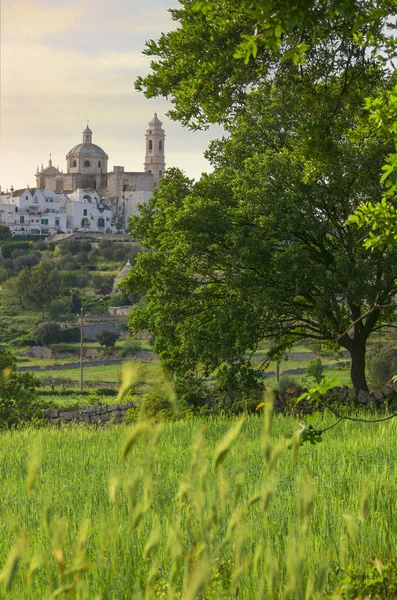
[220, 50]
[5, 233]
[49, 333]
[36, 287]
[18, 399]
[258, 249]
[108, 338]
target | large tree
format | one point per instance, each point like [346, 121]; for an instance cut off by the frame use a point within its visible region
[220, 49]
[258, 249]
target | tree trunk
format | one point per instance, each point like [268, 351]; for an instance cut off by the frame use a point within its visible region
[357, 352]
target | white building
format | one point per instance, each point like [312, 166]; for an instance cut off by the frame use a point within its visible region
[33, 211]
[86, 211]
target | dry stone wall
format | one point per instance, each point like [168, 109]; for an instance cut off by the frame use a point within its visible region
[385, 399]
[94, 414]
[381, 400]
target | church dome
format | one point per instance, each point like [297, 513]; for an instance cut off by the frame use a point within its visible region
[86, 148]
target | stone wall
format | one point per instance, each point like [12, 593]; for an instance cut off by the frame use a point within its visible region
[284, 403]
[96, 413]
[385, 399]
[91, 330]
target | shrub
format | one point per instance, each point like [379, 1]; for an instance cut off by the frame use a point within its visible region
[71, 335]
[108, 338]
[18, 399]
[59, 309]
[315, 369]
[377, 581]
[382, 365]
[130, 347]
[288, 382]
[49, 333]
[5, 233]
[8, 247]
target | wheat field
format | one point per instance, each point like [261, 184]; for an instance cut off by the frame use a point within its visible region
[200, 508]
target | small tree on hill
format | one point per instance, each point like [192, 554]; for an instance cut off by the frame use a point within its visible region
[49, 333]
[108, 338]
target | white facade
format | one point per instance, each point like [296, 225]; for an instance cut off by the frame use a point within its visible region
[86, 211]
[33, 211]
[127, 205]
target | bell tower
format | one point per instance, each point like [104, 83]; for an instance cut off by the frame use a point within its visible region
[154, 158]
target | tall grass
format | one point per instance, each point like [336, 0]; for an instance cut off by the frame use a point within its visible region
[203, 508]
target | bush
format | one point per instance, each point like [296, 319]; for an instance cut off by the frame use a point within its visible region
[315, 369]
[49, 333]
[8, 247]
[130, 347]
[59, 309]
[377, 581]
[5, 233]
[381, 365]
[288, 382]
[108, 338]
[18, 399]
[71, 335]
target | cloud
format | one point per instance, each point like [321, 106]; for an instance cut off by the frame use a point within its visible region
[37, 70]
[26, 20]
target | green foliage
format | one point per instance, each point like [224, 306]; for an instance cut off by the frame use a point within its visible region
[5, 233]
[381, 365]
[108, 338]
[8, 248]
[36, 287]
[258, 250]
[377, 581]
[49, 333]
[220, 51]
[130, 347]
[18, 400]
[315, 369]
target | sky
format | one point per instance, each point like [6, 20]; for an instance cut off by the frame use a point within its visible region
[66, 63]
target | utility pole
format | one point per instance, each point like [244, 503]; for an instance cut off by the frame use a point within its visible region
[81, 350]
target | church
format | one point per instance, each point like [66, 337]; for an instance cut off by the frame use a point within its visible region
[87, 168]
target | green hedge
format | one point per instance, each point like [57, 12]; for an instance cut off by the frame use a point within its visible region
[8, 247]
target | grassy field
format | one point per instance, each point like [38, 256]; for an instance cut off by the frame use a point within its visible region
[168, 522]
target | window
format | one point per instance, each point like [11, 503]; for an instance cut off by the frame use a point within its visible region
[26, 197]
[56, 222]
[85, 212]
[160, 145]
[44, 221]
[74, 164]
[36, 200]
[149, 171]
[22, 219]
[160, 173]
[101, 222]
[99, 163]
[87, 163]
[150, 145]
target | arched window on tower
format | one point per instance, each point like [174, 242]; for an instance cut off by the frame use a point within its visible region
[74, 163]
[150, 145]
[160, 174]
[99, 163]
[87, 163]
[160, 145]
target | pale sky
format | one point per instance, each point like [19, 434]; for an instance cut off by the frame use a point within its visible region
[63, 63]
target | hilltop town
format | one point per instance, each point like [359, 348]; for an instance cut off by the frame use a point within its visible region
[88, 197]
